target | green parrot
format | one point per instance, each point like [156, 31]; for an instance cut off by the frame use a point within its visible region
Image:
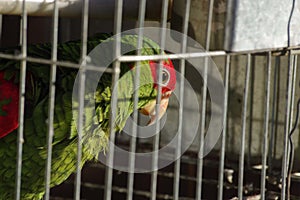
[95, 133]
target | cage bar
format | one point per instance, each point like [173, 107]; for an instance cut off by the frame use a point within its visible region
[289, 157]
[81, 113]
[223, 142]
[116, 73]
[294, 77]
[266, 127]
[287, 126]
[271, 152]
[178, 152]
[20, 140]
[141, 18]
[99, 9]
[51, 100]
[203, 112]
[186, 174]
[1, 24]
[163, 22]
[243, 134]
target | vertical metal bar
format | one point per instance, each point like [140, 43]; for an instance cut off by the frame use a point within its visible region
[141, 19]
[203, 113]
[290, 125]
[251, 112]
[243, 134]
[289, 115]
[290, 145]
[287, 126]
[202, 129]
[266, 128]
[181, 99]
[291, 148]
[82, 77]
[294, 74]
[164, 15]
[114, 100]
[1, 24]
[20, 139]
[274, 115]
[51, 100]
[223, 142]
[208, 25]
[293, 89]
[291, 105]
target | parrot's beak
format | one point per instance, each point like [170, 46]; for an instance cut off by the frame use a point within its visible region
[150, 108]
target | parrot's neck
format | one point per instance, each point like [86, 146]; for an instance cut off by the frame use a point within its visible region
[126, 89]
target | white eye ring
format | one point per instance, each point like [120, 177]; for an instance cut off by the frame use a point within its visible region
[165, 77]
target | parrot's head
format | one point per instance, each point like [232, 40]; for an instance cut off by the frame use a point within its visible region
[167, 87]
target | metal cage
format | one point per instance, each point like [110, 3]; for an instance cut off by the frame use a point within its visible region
[257, 153]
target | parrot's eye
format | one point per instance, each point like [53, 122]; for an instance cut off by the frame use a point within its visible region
[165, 77]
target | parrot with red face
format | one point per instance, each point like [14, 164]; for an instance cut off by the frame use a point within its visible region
[95, 132]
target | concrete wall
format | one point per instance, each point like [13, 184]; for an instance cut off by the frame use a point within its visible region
[256, 106]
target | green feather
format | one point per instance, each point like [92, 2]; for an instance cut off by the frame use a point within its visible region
[64, 146]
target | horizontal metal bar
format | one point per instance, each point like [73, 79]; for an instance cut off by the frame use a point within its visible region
[118, 189]
[171, 175]
[199, 54]
[58, 63]
[127, 58]
[171, 56]
[102, 9]
[146, 193]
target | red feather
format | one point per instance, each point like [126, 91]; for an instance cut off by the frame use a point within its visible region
[168, 66]
[9, 100]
